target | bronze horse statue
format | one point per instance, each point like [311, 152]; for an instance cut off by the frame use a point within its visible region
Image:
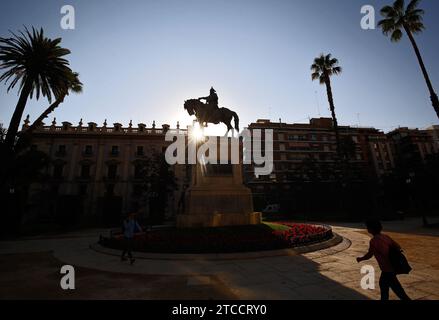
[208, 114]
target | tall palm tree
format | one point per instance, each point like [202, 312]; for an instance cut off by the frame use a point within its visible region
[397, 18]
[73, 85]
[322, 69]
[37, 63]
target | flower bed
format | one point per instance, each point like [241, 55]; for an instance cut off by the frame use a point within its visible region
[304, 234]
[223, 239]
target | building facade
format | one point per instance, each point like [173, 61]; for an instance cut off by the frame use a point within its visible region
[413, 146]
[95, 172]
[299, 145]
[433, 131]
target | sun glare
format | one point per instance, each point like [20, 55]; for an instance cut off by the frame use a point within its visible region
[197, 132]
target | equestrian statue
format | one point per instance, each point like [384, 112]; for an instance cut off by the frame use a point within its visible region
[209, 112]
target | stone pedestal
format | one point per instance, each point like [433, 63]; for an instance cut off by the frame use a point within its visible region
[217, 197]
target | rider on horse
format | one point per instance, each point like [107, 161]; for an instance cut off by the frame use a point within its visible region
[212, 99]
[210, 112]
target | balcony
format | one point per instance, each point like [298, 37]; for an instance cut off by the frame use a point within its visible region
[111, 178]
[87, 154]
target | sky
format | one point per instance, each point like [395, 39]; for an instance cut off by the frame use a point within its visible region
[140, 60]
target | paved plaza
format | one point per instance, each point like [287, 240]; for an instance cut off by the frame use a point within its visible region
[30, 269]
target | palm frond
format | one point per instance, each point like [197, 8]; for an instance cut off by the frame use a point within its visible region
[396, 35]
[398, 5]
[315, 76]
[397, 17]
[412, 5]
[324, 66]
[31, 57]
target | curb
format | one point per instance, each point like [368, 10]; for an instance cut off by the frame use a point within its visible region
[335, 240]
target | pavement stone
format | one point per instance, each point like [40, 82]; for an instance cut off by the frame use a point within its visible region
[330, 273]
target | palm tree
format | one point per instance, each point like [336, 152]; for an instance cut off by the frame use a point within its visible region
[38, 64]
[397, 18]
[322, 69]
[2, 133]
[73, 85]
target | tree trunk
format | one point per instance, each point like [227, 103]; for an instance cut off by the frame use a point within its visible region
[44, 115]
[433, 95]
[334, 118]
[18, 114]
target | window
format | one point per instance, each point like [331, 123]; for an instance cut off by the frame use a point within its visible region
[115, 150]
[112, 171]
[61, 150]
[301, 148]
[140, 151]
[88, 150]
[85, 171]
[297, 137]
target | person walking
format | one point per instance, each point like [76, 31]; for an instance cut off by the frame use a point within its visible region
[380, 247]
[130, 227]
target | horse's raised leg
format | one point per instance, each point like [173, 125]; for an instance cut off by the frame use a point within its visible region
[229, 127]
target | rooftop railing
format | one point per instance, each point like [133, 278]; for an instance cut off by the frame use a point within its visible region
[106, 130]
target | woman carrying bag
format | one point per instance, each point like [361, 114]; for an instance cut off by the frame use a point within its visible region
[389, 256]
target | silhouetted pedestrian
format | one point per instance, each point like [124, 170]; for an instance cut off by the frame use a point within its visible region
[380, 247]
[130, 227]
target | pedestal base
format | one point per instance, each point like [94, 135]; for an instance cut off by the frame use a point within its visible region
[218, 220]
[218, 206]
[217, 196]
